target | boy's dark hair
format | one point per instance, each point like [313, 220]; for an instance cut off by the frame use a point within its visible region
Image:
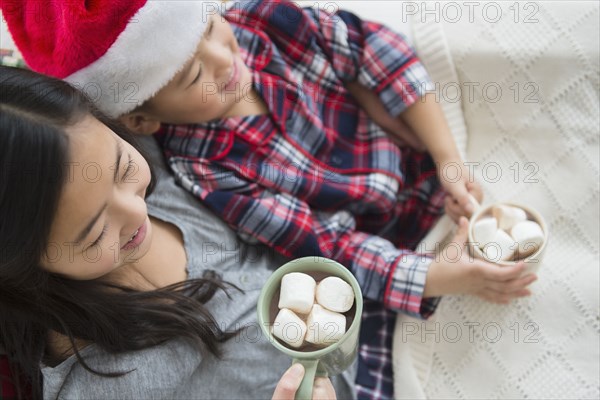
[34, 152]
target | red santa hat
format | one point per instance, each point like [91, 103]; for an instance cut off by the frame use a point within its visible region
[121, 52]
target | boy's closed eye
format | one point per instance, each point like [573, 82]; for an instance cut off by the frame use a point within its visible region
[206, 35]
[197, 75]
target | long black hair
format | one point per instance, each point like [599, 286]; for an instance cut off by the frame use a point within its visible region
[35, 110]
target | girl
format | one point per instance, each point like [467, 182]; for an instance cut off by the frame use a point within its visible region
[105, 294]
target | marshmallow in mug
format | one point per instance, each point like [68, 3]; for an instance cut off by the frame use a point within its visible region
[494, 240]
[484, 230]
[508, 216]
[297, 292]
[501, 248]
[289, 327]
[326, 324]
[335, 294]
[529, 236]
[324, 327]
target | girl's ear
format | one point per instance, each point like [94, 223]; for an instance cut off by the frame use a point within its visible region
[140, 123]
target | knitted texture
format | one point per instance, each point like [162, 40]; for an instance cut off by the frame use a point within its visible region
[536, 143]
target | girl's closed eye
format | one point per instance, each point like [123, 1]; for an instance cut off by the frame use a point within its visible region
[99, 239]
[128, 169]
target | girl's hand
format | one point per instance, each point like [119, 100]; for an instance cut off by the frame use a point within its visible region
[290, 382]
[456, 272]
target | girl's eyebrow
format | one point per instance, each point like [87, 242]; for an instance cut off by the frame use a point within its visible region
[85, 231]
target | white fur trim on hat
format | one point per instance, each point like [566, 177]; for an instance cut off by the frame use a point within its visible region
[153, 48]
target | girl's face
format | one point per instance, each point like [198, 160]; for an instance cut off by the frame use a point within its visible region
[101, 206]
[212, 84]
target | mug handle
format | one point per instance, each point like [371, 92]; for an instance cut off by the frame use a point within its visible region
[305, 390]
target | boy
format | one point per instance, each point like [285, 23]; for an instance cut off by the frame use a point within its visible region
[284, 121]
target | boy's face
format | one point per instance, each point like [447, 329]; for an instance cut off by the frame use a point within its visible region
[211, 85]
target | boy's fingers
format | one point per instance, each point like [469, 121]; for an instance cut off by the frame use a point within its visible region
[505, 298]
[462, 233]
[494, 297]
[452, 214]
[475, 190]
[467, 206]
[460, 195]
[499, 273]
[453, 206]
[524, 293]
[513, 286]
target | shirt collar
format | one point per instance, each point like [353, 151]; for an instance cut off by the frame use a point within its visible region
[255, 46]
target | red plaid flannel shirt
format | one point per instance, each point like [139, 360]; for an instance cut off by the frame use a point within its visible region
[316, 176]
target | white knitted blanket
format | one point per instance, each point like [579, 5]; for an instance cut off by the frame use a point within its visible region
[529, 100]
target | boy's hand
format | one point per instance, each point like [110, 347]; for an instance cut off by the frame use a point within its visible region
[456, 272]
[458, 202]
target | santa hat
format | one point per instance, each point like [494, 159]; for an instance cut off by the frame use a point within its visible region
[120, 52]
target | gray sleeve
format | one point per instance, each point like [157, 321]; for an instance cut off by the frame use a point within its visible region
[155, 373]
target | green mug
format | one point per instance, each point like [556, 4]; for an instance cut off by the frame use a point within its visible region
[330, 360]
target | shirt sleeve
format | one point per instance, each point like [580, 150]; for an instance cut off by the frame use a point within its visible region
[392, 276]
[374, 55]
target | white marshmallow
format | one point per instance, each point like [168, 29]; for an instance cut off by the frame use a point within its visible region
[508, 216]
[324, 327]
[501, 248]
[335, 294]
[289, 328]
[529, 236]
[297, 292]
[484, 230]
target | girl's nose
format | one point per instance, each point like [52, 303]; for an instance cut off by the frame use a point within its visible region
[129, 205]
[132, 211]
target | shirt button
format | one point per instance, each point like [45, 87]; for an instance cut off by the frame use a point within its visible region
[244, 279]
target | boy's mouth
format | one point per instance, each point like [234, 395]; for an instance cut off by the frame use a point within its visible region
[233, 77]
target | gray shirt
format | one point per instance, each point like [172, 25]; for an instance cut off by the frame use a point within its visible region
[250, 366]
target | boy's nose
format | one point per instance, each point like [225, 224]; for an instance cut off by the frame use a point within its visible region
[222, 60]
[224, 69]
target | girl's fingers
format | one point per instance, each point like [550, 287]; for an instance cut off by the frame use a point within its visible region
[323, 389]
[289, 383]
